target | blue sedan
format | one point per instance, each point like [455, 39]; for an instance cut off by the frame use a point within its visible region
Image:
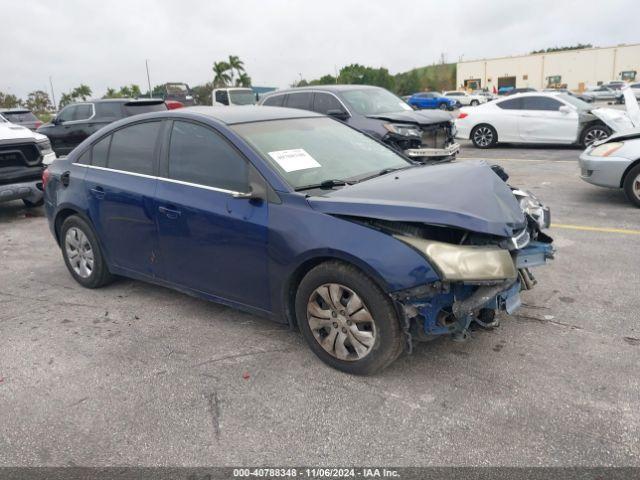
[424, 100]
[298, 217]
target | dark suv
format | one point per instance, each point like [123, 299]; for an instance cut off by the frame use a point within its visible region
[420, 135]
[78, 121]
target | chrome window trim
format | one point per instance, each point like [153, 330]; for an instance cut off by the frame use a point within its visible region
[153, 177]
[313, 90]
[75, 122]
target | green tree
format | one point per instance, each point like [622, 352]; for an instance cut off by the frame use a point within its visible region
[235, 65]
[135, 91]
[83, 92]
[221, 76]
[324, 80]
[407, 83]
[38, 101]
[65, 100]
[111, 93]
[8, 100]
[243, 80]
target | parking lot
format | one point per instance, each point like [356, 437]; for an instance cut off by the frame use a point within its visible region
[139, 374]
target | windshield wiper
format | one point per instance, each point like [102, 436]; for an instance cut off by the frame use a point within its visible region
[384, 171]
[325, 185]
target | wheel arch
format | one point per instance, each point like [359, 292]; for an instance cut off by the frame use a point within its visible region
[627, 170]
[62, 214]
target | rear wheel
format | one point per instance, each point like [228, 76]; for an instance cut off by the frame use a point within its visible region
[484, 136]
[82, 253]
[444, 106]
[595, 133]
[348, 322]
[474, 103]
[632, 185]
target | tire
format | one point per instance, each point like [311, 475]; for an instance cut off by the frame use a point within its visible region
[474, 103]
[443, 106]
[30, 204]
[631, 185]
[484, 136]
[354, 304]
[594, 133]
[76, 235]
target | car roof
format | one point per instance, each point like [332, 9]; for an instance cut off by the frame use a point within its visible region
[14, 110]
[324, 88]
[246, 113]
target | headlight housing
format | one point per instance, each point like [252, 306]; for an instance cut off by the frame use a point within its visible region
[530, 205]
[403, 130]
[465, 262]
[606, 149]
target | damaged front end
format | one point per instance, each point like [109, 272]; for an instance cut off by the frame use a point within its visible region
[479, 274]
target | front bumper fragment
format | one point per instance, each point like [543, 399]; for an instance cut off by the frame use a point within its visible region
[449, 151]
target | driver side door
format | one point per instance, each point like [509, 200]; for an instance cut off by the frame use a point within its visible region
[541, 120]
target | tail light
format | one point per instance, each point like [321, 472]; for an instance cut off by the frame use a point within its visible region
[463, 115]
[38, 124]
[45, 178]
[173, 104]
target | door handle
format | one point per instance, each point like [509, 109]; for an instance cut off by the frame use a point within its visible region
[97, 191]
[64, 178]
[169, 212]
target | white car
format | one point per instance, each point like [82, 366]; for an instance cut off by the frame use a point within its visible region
[23, 154]
[538, 117]
[615, 162]
[602, 93]
[466, 99]
[233, 96]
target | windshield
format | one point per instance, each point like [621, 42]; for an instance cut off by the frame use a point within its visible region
[239, 97]
[309, 151]
[374, 101]
[18, 117]
[575, 101]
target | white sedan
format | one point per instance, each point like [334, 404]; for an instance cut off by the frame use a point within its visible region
[544, 118]
[465, 98]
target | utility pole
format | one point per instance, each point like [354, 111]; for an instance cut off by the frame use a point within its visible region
[53, 95]
[148, 77]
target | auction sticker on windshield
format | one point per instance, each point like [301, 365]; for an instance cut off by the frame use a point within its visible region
[295, 159]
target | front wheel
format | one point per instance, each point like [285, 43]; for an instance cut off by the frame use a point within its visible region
[484, 136]
[444, 106]
[82, 253]
[631, 185]
[475, 103]
[346, 320]
[595, 133]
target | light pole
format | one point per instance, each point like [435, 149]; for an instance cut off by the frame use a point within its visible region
[53, 95]
[146, 62]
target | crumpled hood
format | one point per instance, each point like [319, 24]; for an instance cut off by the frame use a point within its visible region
[467, 195]
[420, 117]
[618, 120]
[11, 131]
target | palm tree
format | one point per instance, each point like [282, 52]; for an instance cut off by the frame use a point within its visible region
[236, 65]
[221, 77]
[83, 92]
[243, 80]
[111, 93]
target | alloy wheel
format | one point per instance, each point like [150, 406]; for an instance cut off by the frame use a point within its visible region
[595, 135]
[341, 322]
[483, 136]
[636, 187]
[79, 252]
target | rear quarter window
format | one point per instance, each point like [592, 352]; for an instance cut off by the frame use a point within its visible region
[512, 104]
[133, 148]
[274, 101]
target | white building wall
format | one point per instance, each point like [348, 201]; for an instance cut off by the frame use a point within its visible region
[578, 68]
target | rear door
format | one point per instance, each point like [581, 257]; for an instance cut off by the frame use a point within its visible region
[541, 121]
[301, 100]
[503, 115]
[121, 185]
[211, 241]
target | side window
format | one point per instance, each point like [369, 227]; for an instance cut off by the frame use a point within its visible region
[199, 155]
[109, 110]
[85, 158]
[324, 102]
[512, 104]
[540, 103]
[132, 148]
[274, 101]
[67, 113]
[83, 112]
[301, 100]
[222, 97]
[100, 151]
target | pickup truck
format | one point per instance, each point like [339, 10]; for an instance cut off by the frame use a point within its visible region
[233, 96]
[23, 156]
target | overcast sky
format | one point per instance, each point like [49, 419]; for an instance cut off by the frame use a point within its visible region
[105, 43]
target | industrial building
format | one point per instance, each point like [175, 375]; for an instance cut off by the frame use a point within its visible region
[573, 69]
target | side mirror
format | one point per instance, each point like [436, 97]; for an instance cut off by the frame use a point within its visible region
[55, 120]
[257, 191]
[339, 114]
[564, 109]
